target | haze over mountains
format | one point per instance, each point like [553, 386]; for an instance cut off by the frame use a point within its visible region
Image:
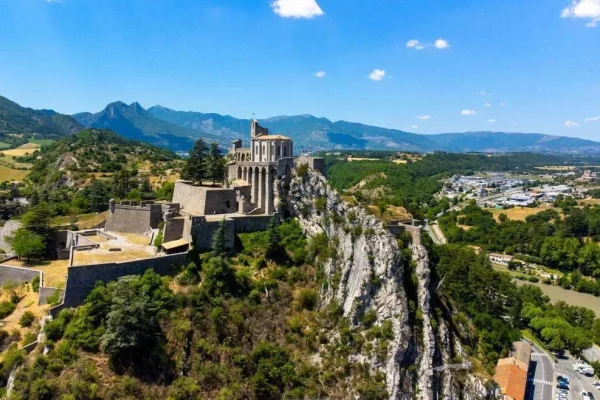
[177, 130]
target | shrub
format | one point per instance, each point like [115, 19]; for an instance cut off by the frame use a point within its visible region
[35, 284]
[302, 170]
[29, 338]
[54, 298]
[27, 319]
[308, 299]
[369, 318]
[6, 308]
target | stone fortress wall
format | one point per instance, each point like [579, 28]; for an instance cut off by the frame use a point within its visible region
[82, 279]
[205, 200]
[133, 218]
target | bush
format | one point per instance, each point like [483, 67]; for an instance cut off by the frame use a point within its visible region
[29, 338]
[27, 319]
[308, 299]
[6, 308]
[54, 298]
[302, 170]
[35, 284]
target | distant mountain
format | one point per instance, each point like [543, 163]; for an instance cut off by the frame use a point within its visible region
[178, 130]
[134, 122]
[501, 142]
[306, 130]
[47, 124]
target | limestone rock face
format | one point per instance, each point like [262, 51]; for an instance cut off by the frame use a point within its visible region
[370, 270]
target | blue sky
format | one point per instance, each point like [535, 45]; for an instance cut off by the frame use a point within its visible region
[505, 65]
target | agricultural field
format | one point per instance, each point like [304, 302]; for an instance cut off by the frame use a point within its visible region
[557, 168]
[23, 150]
[519, 213]
[11, 170]
[4, 145]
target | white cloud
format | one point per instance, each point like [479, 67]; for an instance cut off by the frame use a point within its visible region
[320, 74]
[571, 124]
[377, 75]
[415, 44]
[487, 105]
[296, 8]
[424, 117]
[468, 112]
[586, 9]
[502, 104]
[491, 121]
[441, 44]
[414, 126]
[593, 119]
[483, 93]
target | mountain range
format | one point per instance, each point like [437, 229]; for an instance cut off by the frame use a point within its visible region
[178, 130]
[27, 121]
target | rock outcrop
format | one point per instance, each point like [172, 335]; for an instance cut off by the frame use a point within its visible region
[371, 274]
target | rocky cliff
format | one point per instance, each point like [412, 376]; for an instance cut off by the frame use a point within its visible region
[368, 275]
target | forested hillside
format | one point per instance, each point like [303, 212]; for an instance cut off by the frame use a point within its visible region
[18, 124]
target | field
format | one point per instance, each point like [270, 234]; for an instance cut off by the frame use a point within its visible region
[26, 149]
[10, 174]
[11, 170]
[363, 159]
[590, 201]
[519, 213]
[557, 168]
[4, 145]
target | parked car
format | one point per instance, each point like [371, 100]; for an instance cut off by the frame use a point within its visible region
[585, 396]
[562, 385]
[563, 378]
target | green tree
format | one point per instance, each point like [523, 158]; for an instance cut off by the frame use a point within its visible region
[215, 164]
[273, 238]
[195, 167]
[39, 220]
[27, 244]
[219, 241]
[502, 217]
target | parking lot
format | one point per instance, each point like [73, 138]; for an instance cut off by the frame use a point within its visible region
[542, 380]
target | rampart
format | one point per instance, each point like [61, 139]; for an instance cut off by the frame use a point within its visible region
[205, 200]
[81, 280]
[133, 219]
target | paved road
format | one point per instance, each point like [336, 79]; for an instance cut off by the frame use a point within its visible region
[540, 385]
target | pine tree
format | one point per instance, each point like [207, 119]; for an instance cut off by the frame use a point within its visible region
[195, 168]
[219, 243]
[216, 167]
[273, 239]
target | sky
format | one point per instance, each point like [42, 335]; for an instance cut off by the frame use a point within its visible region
[427, 66]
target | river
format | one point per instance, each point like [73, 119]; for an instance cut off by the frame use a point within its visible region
[556, 293]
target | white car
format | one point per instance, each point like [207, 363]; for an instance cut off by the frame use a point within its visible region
[585, 396]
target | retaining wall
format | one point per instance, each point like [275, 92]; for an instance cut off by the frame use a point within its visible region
[46, 292]
[81, 280]
[17, 274]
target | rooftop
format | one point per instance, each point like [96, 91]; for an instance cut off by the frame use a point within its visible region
[272, 137]
[125, 247]
[512, 380]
